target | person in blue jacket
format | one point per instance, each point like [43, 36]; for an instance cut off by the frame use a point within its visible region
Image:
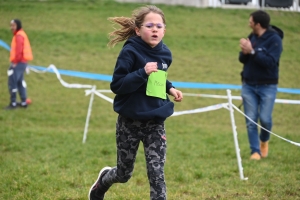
[260, 55]
[139, 73]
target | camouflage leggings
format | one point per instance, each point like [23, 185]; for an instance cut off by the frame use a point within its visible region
[129, 134]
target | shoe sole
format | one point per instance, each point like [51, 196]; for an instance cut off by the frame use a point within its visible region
[100, 173]
[264, 156]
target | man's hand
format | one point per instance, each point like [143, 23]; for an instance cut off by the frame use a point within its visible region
[150, 67]
[177, 94]
[246, 46]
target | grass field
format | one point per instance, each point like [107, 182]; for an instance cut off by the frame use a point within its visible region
[41, 152]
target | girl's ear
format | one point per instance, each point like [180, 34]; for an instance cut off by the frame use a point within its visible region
[137, 31]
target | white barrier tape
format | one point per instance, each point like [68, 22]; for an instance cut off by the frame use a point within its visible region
[292, 142]
[198, 110]
[88, 92]
[284, 101]
[104, 97]
[105, 91]
[65, 84]
[212, 96]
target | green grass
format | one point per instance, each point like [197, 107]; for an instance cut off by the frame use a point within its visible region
[41, 154]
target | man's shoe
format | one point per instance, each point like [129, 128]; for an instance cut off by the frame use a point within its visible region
[264, 149]
[255, 156]
[97, 191]
[11, 106]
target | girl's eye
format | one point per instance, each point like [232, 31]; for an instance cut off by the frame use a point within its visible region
[151, 25]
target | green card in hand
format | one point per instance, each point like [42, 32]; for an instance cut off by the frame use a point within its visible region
[156, 85]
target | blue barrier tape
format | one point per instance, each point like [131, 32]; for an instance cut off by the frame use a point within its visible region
[4, 45]
[192, 85]
[86, 75]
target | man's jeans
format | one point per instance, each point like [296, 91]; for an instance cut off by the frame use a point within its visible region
[16, 82]
[258, 101]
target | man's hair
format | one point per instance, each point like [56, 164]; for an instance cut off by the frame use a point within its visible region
[262, 18]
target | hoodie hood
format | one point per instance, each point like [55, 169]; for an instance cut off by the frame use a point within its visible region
[277, 30]
[271, 30]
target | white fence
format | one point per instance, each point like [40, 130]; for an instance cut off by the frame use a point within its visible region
[195, 3]
[254, 4]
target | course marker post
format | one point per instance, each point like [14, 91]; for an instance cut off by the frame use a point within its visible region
[89, 114]
[236, 143]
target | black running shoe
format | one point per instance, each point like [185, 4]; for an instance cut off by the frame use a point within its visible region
[22, 105]
[97, 191]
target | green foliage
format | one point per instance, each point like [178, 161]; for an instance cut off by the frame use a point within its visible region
[41, 154]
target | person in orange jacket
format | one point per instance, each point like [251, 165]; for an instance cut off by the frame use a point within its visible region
[20, 54]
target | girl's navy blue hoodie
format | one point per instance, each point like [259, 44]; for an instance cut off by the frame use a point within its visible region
[263, 66]
[130, 80]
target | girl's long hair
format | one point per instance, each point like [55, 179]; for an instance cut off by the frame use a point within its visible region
[128, 25]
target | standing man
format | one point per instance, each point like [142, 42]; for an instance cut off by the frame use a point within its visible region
[260, 54]
[20, 54]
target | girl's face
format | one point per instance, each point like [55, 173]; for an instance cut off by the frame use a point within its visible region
[152, 30]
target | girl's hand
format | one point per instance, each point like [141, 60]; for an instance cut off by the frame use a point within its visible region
[177, 94]
[150, 67]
